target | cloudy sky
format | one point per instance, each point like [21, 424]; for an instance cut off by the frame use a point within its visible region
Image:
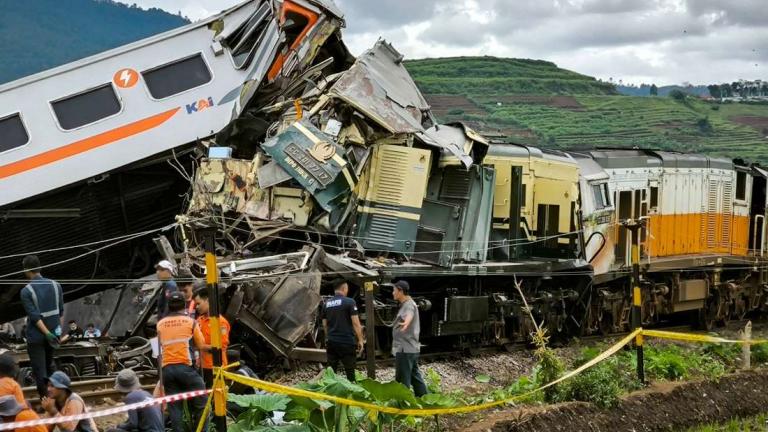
[660, 41]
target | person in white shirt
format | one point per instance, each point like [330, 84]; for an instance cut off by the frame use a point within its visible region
[91, 332]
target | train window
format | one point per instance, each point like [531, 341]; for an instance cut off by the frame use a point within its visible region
[654, 197]
[601, 196]
[741, 185]
[522, 198]
[597, 192]
[12, 133]
[87, 107]
[177, 77]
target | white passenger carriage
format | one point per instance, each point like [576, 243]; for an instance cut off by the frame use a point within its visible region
[104, 112]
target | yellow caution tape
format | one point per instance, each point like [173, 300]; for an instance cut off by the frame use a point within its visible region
[691, 337]
[422, 412]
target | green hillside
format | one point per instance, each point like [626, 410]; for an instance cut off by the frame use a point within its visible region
[538, 103]
[41, 34]
[491, 75]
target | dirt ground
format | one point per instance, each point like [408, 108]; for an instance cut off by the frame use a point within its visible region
[666, 407]
[756, 122]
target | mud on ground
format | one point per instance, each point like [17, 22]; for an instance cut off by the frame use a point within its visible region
[665, 407]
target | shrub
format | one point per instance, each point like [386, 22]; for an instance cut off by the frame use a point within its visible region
[598, 385]
[725, 352]
[667, 363]
[678, 95]
[760, 353]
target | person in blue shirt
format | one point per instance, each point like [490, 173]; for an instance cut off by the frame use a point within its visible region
[342, 327]
[43, 301]
[165, 273]
[91, 332]
[147, 419]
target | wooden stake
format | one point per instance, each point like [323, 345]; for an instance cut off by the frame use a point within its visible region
[746, 353]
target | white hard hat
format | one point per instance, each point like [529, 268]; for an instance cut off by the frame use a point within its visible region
[167, 265]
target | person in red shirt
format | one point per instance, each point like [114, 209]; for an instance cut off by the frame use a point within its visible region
[204, 323]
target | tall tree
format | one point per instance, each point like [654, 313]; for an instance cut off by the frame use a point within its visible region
[714, 91]
[654, 90]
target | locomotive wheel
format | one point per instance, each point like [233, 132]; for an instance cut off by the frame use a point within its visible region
[707, 318]
[606, 324]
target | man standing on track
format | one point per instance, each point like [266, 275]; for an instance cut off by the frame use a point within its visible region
[342, 326]
[405, 340]
[43, 301]
[174, 333]
[165, 273]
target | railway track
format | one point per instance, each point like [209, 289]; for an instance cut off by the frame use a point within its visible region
[95, 390]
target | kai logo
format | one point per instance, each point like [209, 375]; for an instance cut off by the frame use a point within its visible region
[199, 105]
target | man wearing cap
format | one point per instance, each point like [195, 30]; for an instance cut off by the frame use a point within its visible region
[12, 411]
[204, 323]
[405, 340]
[63, 402]
[174, 332]
[165, 272]
[342, 327]
[147, 419]
[43, 301]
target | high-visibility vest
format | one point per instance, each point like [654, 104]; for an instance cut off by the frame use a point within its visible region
[174, 333]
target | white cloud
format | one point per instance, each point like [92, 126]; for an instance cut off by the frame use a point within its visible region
[661, 41]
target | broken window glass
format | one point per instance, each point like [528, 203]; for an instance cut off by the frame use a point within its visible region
[244, 41]
[177, 77]
[12, 133]
[87, 107]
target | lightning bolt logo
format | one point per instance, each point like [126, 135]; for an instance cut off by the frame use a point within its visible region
[125, 78]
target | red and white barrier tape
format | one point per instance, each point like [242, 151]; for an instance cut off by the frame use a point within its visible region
[106, 412]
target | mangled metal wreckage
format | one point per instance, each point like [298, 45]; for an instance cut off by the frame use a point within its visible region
[309, 164]
[353, 178]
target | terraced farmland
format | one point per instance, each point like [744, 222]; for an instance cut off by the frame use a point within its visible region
[584, 114]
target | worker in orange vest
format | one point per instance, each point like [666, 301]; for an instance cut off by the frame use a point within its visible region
[204, 322]
[175, 332]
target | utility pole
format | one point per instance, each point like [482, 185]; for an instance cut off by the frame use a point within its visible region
[370, 330]
[634, 226]
[212, 280]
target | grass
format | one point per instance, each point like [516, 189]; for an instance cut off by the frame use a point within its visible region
[757, 423]
[598, 117]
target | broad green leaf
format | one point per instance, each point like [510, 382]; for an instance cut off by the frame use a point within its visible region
[483, 378]
[282, 428]
[438, 400]
[263, 402]
[390, 391]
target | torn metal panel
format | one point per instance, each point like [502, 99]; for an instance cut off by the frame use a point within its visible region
[281, 308]
[230, 185]
[379, 86]
[292, 204]
[452, 142]
[315, 161]
[271, 174]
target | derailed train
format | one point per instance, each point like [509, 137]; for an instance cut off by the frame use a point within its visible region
[319, 166]
[364, 179]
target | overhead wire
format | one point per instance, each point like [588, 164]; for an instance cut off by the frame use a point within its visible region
[123, 239]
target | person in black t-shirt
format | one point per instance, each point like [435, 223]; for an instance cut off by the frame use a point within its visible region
[342, 327]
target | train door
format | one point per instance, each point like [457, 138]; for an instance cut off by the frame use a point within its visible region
[758, 212]
[630, 204]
